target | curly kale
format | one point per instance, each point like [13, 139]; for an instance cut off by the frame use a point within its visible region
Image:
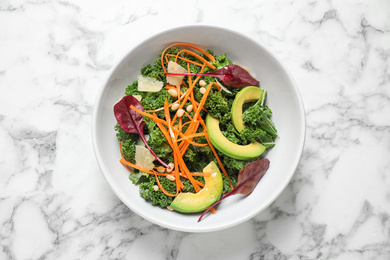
[232, 166]
[259, 126]
[122, 135]
[220, 61]
[158, 198]
[128, 141]
[150, 100]
[231, 133]
[226, 182]
[137, 177]
[250, 135]
[157, 141]
[219, 107]
[197, 158]
[257, 119]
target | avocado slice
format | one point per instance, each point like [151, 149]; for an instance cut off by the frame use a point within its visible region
[248, 94]
[236, 151]
[195, 202]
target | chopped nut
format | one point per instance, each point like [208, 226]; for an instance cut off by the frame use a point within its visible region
[180, 112]
[175, 106]
[155, 187]
[171, 167]
[172, 92]
[202, 83]
[202, 90]
[169, 208]
[171, 177]
[189, 108]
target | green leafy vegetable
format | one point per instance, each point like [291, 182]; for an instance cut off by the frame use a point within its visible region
[131, 121]
[257, 119]
[258, 124]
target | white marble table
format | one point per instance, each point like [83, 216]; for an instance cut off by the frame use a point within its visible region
[55, 203]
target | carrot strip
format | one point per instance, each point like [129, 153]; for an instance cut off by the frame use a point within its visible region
[201, 104]
[199, 58]
[163, 190]
[123, 161]
[187, 60]
[178, 155]
[208, 55]
[178, 135]
[155, 118]
[191, 136]
[198, 144]
[179, 184]
[192, 130]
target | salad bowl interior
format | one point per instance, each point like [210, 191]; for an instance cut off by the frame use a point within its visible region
[283, 98]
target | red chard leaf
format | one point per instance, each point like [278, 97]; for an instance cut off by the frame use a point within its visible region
[128, 119]
[247, 180]
[231, 75]
[131, 121]
[250, 175]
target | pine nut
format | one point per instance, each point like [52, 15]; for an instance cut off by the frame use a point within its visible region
[172, 92]
[180, 112]
[202, 83]
[175, 106]
[202, 90]
[169, 208]
[171, 177]
[189, 108]
[155, 187]
[160, 169]
[171, 167]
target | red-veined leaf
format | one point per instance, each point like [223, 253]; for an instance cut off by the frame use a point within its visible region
[231, 75]
[131, 121]
[247, 180]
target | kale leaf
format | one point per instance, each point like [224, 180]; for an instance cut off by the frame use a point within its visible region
[250, 135]
[258, 125]
[260, 117]
[137, 177]
[219, 106]
[128, 141]
[157, 198]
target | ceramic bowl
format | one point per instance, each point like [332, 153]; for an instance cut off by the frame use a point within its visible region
[283, 98]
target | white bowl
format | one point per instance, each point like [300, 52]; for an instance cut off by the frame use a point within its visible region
[283, 98]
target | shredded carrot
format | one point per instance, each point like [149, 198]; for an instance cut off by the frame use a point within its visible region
[182, 58]
[191, 136]
[199, 58]
[123, 161]
[208, 55]
[178, 132]
[163, 190]
[155, 118]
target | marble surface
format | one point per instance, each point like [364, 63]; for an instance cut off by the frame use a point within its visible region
[55, 203]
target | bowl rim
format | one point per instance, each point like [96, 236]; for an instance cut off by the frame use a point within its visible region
[238, 221]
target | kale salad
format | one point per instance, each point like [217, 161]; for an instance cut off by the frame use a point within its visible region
[192, 129]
